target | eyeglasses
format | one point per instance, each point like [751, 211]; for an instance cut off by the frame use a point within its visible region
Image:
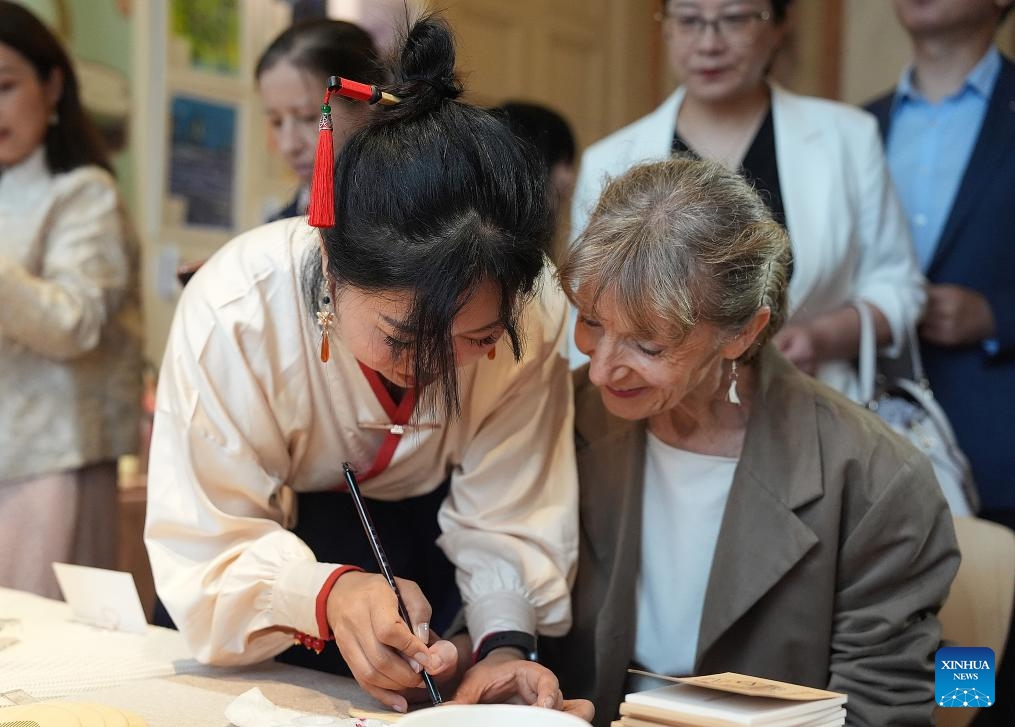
[735, 28]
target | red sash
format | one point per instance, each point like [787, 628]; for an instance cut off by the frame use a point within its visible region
[399, 415]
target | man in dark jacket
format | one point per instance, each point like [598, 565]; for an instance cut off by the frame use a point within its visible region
[949, 129]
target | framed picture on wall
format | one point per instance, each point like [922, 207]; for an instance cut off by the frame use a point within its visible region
[205, 35]
[201, 162]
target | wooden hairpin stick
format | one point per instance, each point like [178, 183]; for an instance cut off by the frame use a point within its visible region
[360, 91]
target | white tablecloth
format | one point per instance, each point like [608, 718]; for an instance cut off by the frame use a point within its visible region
[46, 656]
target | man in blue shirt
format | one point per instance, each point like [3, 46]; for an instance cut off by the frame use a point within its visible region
[949, 129]
[949, 135]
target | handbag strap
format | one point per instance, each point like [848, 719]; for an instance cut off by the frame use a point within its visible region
[867, 354]
[919, 390]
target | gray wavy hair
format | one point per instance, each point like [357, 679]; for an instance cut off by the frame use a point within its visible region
[682, 241]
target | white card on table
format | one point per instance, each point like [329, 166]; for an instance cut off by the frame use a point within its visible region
[104, 598]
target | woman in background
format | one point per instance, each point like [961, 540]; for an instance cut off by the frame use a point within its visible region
[70, 364]
[291, 74]
[817, 164]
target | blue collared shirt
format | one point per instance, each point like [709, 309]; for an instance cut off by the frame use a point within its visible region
[929, 145]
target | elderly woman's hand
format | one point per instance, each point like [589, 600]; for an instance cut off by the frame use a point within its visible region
[504, 677]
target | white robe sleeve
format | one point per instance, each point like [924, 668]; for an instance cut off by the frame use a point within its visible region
[60, 313]
[227, 571]
[887, 275]
[510, 523]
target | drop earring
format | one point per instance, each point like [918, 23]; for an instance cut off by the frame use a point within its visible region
[492, 353]
[731, 396]
[325, 317]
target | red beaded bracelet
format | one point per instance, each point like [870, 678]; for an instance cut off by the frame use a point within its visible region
[311, 642]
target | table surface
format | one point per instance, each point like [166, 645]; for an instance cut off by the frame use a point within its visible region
[168, 689]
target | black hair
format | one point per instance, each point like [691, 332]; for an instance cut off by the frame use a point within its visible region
[546, 130]
[71, 140]
[434, 196]
[324, 48]
[779, 8]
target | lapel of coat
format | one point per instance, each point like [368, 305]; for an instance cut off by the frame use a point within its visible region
[613, 514]
[805, 190]
[992, 147]
[761, 538]
[881, 108]
[611, 456]
[656, 139]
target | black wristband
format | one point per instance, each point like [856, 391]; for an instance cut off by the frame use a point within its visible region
[515, 639]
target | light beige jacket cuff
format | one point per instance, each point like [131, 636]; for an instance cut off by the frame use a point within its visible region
[294, 598]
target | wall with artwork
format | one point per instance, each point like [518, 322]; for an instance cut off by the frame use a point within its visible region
[206, 168]
[170, 83]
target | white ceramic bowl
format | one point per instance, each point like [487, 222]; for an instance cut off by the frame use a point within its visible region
[490, 715]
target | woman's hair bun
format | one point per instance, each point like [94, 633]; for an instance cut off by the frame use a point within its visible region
[424, 72]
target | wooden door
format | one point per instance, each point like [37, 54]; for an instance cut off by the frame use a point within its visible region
[594, 61]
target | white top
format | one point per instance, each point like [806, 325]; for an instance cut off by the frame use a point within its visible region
[848, 232]
[70, 331]
[682, 509]
[245, 407]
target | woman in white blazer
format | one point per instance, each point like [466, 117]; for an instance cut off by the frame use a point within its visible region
[818, 164]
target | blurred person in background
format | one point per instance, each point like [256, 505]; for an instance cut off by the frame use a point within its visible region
[291, 74]
[818, 165]
[550, 136]
[70, 362]
[948, 127]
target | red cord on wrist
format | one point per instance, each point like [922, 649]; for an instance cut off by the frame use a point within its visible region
[321, 610]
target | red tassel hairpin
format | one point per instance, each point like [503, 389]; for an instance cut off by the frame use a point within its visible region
[321, 210]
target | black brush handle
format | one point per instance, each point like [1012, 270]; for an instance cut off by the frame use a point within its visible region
[382, 563]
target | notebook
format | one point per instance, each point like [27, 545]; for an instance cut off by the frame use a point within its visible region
[735, 699]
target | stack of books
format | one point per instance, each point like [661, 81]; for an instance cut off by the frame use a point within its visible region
[731, 700]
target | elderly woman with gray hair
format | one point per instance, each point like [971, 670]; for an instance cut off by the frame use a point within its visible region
[737, 515]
